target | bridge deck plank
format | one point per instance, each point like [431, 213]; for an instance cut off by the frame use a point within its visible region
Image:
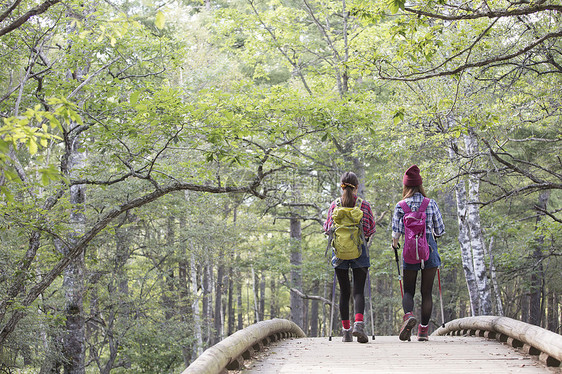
[442, 354]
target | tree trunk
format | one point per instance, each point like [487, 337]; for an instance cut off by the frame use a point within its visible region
[525, 306]
[262, 296]
[197, 331]
[255, 296]
[230, 302]
[273, 305]
[73, 275]
[552, 316]
[207, 302]
[493, 277]
[218, 316]
[314, 310]
[475, 230]
[73, 279]
[168, 299]
[537, 272]
[297, 303]
[119, 290]
[183, 288]
[466, 250]
[239, 308]
[464, 237]
[231, 288]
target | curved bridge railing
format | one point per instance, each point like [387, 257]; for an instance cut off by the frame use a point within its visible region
[531, 339]
[229, 354]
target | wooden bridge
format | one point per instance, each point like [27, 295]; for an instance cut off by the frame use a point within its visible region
[485, 344]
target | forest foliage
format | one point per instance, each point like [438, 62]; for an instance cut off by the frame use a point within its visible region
[166, 166]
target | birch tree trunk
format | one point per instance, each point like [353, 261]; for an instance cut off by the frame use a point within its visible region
[464, 240]
[475, 229]
[297, 304]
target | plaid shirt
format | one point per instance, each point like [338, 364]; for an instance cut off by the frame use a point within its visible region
[433, 222]
[369, 227]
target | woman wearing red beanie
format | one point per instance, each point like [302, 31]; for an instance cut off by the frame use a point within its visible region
[413, 195]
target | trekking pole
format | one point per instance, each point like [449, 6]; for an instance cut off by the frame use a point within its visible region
[371, 304]
[441, 298]
[398, 266]
[332, 307]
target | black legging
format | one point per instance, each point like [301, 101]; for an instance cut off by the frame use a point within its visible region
[359, 278]
[428, 275]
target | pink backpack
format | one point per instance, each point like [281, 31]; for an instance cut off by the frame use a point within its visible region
[416, 249]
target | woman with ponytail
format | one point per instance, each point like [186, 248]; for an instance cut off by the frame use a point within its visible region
[359, 266]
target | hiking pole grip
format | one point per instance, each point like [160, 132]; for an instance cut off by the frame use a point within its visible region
[398, 268]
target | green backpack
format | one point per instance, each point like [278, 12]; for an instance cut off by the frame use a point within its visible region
[347, 232]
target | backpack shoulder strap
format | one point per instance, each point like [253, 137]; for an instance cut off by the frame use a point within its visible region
[358, 203]
[424, 205]
[404, 206]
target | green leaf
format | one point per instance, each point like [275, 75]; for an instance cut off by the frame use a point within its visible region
[394, 5]
[160, 20]
[7, 193]
[134, 98]
[32, 146]
[44, 179]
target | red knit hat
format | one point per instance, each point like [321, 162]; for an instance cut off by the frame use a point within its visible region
[412, 177]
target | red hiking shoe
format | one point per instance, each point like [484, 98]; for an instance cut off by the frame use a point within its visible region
[423, 333]
[409, 321]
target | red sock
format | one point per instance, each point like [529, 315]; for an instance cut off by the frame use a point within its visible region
[359, 317]
[346, 324]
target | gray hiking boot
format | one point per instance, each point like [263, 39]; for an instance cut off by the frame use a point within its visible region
[347, 337]
[359, 332]
[409, 321]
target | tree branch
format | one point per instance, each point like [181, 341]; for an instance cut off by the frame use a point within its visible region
[490, 14]
[424, 74]
[39, 9]
[4, 15]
